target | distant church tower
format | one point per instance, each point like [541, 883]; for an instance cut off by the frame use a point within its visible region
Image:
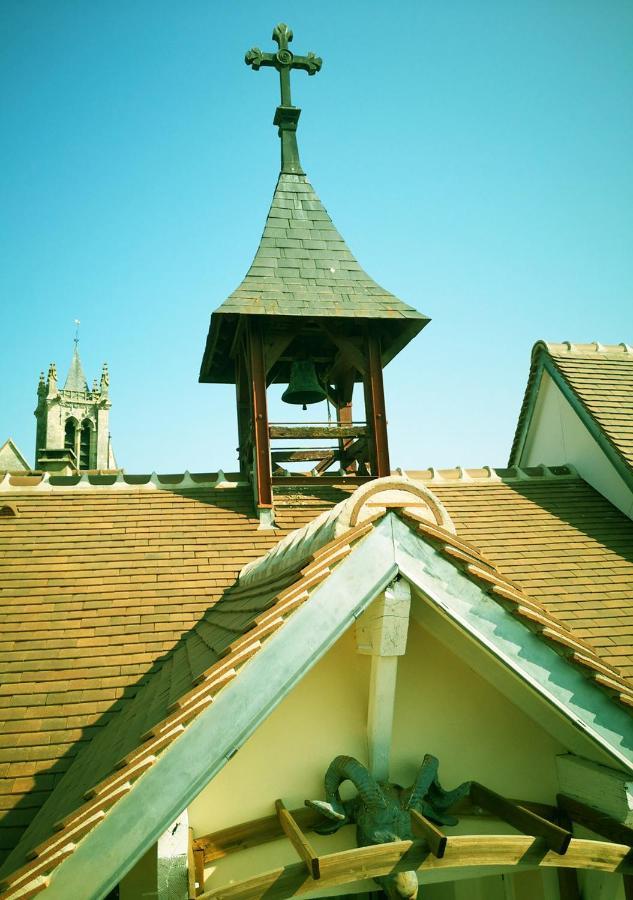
[72, 422]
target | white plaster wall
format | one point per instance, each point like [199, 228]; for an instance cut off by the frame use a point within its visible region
[557, 436]
[442, 707]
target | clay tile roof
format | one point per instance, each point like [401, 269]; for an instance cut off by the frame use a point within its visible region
[558, 540]
[184, 684]
[117, 639]
[601, 379]
[97, 584]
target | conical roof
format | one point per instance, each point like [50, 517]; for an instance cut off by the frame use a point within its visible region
[304, 268]
[76, 380]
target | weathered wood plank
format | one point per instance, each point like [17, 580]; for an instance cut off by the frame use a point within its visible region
[313, 432]
[301, 455]
[298, 840]
[519, 817]
[347, 866]
[435, 837]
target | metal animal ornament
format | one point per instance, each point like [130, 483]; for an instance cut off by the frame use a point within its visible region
[381, 811]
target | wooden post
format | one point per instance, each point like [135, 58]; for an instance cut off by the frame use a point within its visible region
[261, 440]
[243, 412]
[568, 884]
[375, 409]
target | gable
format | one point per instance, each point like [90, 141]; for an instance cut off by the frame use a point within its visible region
[578, 409]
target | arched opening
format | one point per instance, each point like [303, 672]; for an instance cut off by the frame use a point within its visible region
[85, 444]
[70, 435]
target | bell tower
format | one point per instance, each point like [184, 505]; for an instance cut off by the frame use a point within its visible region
[306, 315]
[72, 431]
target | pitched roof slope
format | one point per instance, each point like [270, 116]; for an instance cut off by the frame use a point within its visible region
[559, 540]
[212, 654]
[601, 378]
[205, 660]
[303, 267]
[97, 585]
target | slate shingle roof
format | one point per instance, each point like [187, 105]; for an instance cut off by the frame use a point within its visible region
[601, 377]
[303, 267]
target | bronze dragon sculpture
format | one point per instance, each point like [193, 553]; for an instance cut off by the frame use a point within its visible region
[381, 811]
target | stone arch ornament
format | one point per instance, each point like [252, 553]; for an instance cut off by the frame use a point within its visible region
[395, 492]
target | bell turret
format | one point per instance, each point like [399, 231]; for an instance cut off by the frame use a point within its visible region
[306, 315]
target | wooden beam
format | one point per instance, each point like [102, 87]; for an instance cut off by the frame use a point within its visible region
[595, 820]
[482, 850]
[348, 349]
[198, 859]
[253, 833]
[191, 868]
[274, 348]
[375, 411]
[519, 817]
[264, 495]
[261, 831]
[568, 884]
[434, 837]
[301, 455]
[314, 432]
[597, 786]
[298, 840]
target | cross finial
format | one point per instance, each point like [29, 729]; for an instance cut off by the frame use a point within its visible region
[76, 338]
[287, 115]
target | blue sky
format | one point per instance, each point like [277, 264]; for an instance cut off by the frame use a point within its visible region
[476, 156]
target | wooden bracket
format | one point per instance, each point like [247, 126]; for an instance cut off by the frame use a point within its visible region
[522, 819]
[434, 836]
[298, 840]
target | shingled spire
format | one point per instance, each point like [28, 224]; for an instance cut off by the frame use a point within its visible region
[305, 300]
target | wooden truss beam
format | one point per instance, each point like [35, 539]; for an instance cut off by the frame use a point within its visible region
[348, 866]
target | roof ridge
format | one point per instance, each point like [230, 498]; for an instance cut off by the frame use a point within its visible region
[490, 474]
[586, 349]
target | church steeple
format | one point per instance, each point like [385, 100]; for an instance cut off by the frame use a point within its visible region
[72, 432]
[76, 380]
[306, 309]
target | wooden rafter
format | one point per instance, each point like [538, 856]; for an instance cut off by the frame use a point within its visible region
[519, 817]
[298, 840]
[435, 838]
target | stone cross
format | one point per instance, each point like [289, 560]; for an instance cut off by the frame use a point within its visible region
[283, 60]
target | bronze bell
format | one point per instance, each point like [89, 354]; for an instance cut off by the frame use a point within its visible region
[304, 385]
